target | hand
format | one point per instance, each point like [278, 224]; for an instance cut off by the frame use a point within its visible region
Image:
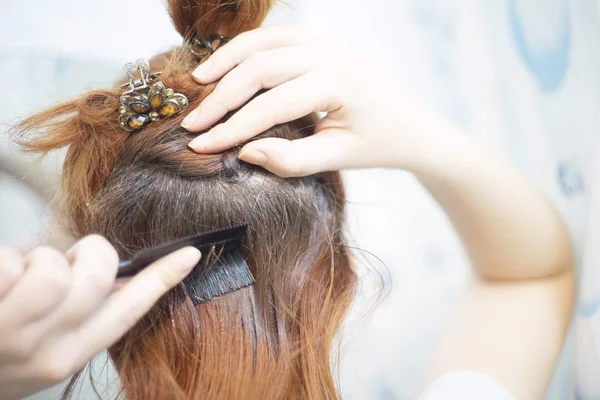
[368, 122]
[58, 311]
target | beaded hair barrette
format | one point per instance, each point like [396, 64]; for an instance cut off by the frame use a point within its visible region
[202, 47]
[146, 99]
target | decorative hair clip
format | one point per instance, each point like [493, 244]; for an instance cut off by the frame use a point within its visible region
[146, 101]
[202, 47]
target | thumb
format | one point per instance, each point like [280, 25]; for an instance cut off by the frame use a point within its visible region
[123, 309]
[324, 151]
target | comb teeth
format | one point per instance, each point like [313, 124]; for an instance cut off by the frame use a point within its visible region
[227, 274]
[220, 241]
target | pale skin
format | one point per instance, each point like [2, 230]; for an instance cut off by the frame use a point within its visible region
[57, 311]
[513, 320]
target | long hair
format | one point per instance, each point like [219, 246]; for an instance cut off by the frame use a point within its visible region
[272, 340]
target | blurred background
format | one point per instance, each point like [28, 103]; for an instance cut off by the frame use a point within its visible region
[521, 76]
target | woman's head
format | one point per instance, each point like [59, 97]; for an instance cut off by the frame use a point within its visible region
[271, 340]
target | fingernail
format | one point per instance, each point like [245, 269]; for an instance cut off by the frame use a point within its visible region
[189, 120]
[202, 72]
[189, 259]
[253, 157]
[199, 143]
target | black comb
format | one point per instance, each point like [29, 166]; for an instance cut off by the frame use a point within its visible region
[222, 269]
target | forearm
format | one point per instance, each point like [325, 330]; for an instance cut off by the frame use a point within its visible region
[509, 330]
[508, 229]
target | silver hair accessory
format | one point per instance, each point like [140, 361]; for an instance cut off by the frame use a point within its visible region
[146, 101]
[202, 47]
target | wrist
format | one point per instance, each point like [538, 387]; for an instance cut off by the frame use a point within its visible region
[438, 148]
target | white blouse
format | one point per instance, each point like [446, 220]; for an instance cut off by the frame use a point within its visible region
[465, 385]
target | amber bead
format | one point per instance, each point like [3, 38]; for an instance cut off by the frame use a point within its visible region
[137, 121]
[139, 108]
[168, 109]
[156, 101]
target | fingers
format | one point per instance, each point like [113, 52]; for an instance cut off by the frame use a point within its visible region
[290, 101]
[120, 284]
[43, 286]
[246, 44]
[326, 151]
[11, 269]
[94, 264]
[127, 306]
[263, 70]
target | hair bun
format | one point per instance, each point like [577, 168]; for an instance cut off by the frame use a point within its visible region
[226, 17]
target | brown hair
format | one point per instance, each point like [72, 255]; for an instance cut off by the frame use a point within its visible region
[272, 340]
